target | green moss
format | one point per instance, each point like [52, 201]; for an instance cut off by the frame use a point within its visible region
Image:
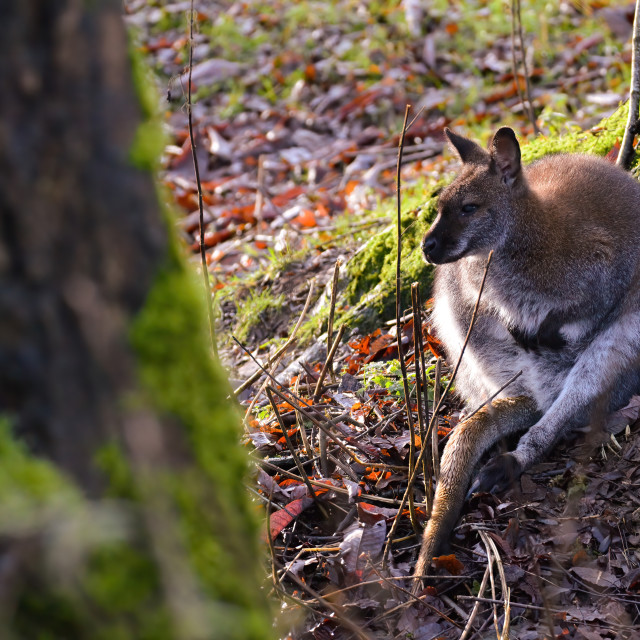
[188, 524]
[103, 577]
[149, 140]
[598, 141]
[257, 306]
[147, 145]
[184, 383]
[372, 286]
[112, 462]
[32, 491]
[370, 293]
[143, 85]
[122, 579]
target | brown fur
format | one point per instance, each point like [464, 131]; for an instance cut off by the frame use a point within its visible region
[561, 304]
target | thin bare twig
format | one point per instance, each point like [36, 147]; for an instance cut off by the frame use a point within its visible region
[396, 587]
[493, 396]
[468, 627]
[327, 363]
[332, 306]
[517, 605]
[272, 551]
[251, 379]
[514, 62]
[421, 382]
[301, 471]
[300, 424]
[203, 255]
[257, 208]
[435, 453]
[341, 617]
[434, 417]
[403, 365]
[516, 17]
[626, 148]
[322, 437]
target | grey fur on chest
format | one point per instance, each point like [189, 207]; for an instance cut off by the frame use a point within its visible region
[493, 355]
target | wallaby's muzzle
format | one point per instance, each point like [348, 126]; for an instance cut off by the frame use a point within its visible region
[437, 247]
[430, 247]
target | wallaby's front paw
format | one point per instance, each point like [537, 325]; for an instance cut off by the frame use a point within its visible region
[498, 474]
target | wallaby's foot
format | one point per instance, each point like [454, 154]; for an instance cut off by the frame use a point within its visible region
[498, 474]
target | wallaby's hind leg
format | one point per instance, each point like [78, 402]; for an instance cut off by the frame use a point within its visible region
[468, 441]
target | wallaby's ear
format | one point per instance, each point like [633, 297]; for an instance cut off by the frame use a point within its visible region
[468, 150]
[505, 153]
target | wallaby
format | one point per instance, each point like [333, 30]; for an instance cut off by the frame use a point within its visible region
[561, 303]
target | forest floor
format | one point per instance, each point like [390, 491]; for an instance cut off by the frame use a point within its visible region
[297, 112]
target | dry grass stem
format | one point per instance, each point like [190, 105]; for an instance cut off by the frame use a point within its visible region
[403, 365]
[434, 416]
[435, 453]
[474, 612]
[340, 615]
[421, 383]
[327, 364]
[332, 306]
[196, 169]
[626, 148]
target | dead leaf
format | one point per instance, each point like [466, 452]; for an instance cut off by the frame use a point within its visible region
[597, 578]
[280, 519]
[362, 544]
[450, 563]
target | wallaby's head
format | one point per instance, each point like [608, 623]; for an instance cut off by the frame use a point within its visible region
[475, 209]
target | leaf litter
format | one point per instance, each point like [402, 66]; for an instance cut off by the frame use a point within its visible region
[297, 117]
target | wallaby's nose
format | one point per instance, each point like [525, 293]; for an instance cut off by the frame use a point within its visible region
[429, 245]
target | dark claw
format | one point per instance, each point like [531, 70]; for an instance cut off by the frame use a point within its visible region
[497, 475]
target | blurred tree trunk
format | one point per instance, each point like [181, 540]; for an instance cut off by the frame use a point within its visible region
[98, 395]
[81, 235]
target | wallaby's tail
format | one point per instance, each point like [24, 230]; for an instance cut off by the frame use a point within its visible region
[468, 441]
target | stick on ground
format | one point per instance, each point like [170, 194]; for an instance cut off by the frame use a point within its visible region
[203, 255]
[626, 148]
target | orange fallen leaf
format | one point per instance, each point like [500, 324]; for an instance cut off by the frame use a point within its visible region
[450, 563]
[283, 198]
[350, 186]
[306, 218]
[612, 156]
[310, 73]
[280, 519]
[212, 239]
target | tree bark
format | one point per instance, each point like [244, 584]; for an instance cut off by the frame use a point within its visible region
[106, 379]
[81, 235]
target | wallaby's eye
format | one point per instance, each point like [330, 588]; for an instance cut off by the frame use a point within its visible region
[468, 209]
